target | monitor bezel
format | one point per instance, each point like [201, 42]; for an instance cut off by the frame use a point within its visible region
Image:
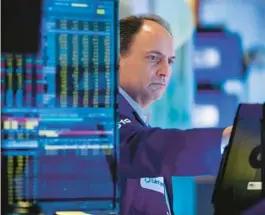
[224, 162]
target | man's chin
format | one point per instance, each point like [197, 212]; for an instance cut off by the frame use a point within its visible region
[158, 95]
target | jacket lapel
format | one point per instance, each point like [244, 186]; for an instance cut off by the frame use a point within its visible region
[127, 109]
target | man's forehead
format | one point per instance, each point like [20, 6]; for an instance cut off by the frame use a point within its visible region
[152, 37]
[152, 26]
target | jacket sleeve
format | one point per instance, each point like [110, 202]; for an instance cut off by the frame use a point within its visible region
[154, 152]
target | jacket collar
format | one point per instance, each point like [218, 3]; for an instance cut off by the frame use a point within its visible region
[126, 107]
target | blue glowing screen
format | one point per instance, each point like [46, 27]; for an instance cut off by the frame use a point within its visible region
[58, 106]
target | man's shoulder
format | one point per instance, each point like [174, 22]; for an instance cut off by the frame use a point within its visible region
[126, 112]
[125, 109]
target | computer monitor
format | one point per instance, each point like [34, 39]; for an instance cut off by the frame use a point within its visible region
[59, 133]
[240, 182]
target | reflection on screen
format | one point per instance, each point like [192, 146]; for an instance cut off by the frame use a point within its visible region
[58, 117]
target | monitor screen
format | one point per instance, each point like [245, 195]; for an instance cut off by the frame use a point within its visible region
[59, 108]
[240, 175]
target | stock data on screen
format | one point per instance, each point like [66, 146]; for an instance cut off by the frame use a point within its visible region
[58, 106]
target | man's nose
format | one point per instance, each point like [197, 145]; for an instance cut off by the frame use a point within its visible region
[164, 69]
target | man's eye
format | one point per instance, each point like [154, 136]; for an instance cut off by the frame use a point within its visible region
[170, 62]
[153, 58]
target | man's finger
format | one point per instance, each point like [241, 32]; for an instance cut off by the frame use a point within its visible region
[228, 131]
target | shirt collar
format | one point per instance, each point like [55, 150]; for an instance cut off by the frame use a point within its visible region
[143, 113]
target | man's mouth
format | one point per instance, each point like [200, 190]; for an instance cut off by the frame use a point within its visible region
[160, 84]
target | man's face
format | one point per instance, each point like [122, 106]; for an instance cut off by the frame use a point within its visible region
[146, 70]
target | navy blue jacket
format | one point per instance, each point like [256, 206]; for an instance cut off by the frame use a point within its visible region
[147, 153]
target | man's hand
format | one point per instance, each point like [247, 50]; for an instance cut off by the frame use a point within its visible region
[225, 138]
[227, 131]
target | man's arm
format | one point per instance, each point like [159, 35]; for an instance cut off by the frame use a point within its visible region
[153, 152]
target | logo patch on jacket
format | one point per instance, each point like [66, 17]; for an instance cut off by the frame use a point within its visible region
[124, 122]
[155, 184]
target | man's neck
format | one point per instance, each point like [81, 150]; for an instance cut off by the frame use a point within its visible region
[143, 113]
[140, 101]
[137, 97]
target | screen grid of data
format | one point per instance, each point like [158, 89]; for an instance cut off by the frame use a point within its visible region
[58, 107]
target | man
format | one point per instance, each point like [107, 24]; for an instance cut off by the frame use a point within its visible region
[150, 156]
